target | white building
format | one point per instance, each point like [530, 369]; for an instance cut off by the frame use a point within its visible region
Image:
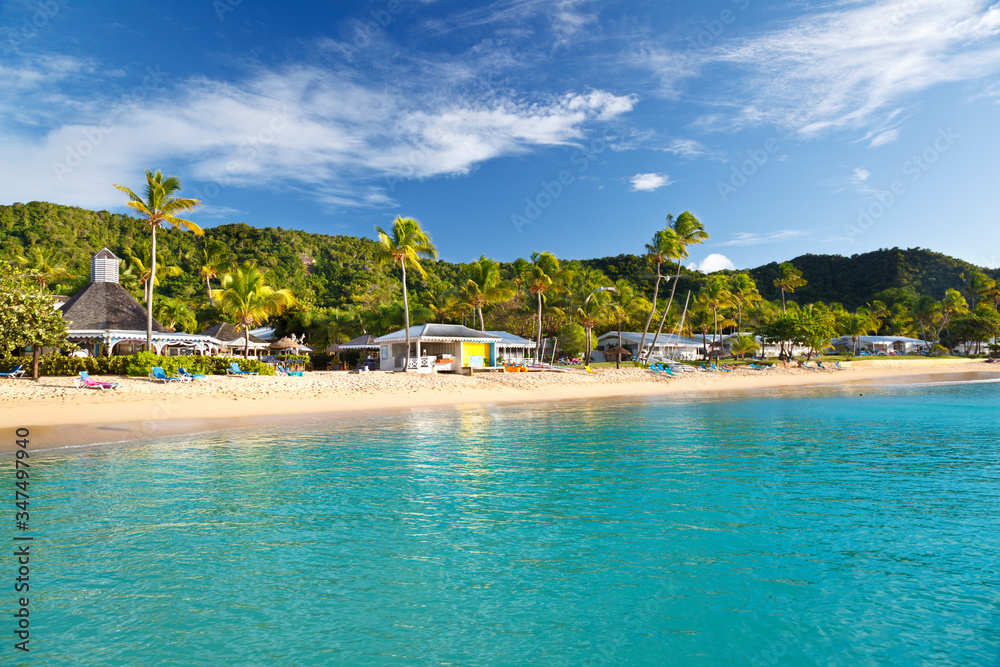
[882, 344]
[436, 348]
[668, 346]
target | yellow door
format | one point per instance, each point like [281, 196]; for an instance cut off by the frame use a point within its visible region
[475, 350]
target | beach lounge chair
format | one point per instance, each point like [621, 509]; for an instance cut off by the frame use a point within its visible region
[85, 381]
[719, 368]
[234, 369]
[182, 372]
[283, 370]
[16, 373]
[160, 375]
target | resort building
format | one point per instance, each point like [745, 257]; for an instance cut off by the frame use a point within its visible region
[882, 344]
[513, 349]
[436, 348]
[365, 345]
[233, 338]
[104, 319]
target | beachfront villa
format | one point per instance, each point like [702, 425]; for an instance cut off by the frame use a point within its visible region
[513, 349]
[104, 319]
[436, 348]
[882, 344]
[668, 346]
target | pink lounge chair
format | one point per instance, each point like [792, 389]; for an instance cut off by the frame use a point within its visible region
[85, 381]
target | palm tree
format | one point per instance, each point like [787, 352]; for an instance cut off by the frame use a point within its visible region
[483, 287]
[715, 293]
[176, 315]
[977, 286]
[742, 345]
[595, 309]
[700, 318]
[143, 271]
[688, 231]
[952, 304]
[405, 245]
[925, 311]
[744, 292]
[625, 304]
[858, 324]
[788, 279]
[543, 276]
[249, 300]
[159, 208]
[664, 246]
[42, 265]
[215, 260]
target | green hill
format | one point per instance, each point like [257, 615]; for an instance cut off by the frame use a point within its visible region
[334, 271]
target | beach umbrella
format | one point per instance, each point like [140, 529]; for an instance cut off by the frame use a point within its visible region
[718, 353]
[617, 351]
[285, 343]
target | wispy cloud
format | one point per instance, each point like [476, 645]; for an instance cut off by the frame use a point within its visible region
[649, 182]
[844, 67]
[752, 238]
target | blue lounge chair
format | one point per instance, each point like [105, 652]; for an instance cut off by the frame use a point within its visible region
[234, 369]
[283, 370]
[85, 381]
[16, 373]
[719, 368]
[182, 372]
[159, 374]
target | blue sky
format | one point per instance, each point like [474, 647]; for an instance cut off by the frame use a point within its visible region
[574, 126]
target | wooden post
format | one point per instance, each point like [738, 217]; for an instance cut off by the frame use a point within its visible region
[35, 354]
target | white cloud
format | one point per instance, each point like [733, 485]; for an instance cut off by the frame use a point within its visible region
[337, 140]
[843, 67]
[649, 182]
[860, 175]
[751, 238]
[688, 148]
[884, 138]
[714, 262]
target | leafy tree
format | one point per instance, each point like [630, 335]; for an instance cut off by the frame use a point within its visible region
[405, 245]
[861, 323]
[743, 344]
[246, 297]
[977, 287]
[572, 339]
[214, 259]
[43, 265]
[27, 318]
[159, 208]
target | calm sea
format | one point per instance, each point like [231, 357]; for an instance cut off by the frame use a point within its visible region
[850, 526]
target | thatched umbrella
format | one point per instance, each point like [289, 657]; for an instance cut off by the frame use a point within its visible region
[285, 343]
[618, 351]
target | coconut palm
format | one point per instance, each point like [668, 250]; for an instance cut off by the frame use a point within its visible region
[249, 301]
[214, 259]
[625, 304]
[176, 315]
[159, 208]
[860, 323]
[665, 246]
[952, 305]
[977, 287]
[42, 265]
[715, 293]
[744, 292]
[925, 310]
[141, 268]
[542, 278]
[788, 279]
[596, 307]
[406, 244]
[482, 287]
[742, 345]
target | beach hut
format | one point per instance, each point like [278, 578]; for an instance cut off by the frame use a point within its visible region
[105, 319]
[438, 348]
[364, 344]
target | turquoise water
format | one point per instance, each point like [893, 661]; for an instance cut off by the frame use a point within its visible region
[850, 526]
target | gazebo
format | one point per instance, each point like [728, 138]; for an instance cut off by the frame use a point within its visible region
[104, 318]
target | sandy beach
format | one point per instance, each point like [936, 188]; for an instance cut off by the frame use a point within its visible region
[58, 414]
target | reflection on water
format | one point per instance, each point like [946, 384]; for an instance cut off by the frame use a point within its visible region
[847, 527]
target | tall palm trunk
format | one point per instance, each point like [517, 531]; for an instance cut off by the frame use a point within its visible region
[208, 284]
[645, 330]
[246, 340]
[618, 355]
[479, 311]
[406, 318]
[538, 345]
[149, 295]
[783, 300]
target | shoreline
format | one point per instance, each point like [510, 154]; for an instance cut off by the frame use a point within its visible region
[60, 415]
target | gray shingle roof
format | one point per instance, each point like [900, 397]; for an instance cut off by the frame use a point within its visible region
[361, 342]
[106, 306]
[510, 339]
[456, 331]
